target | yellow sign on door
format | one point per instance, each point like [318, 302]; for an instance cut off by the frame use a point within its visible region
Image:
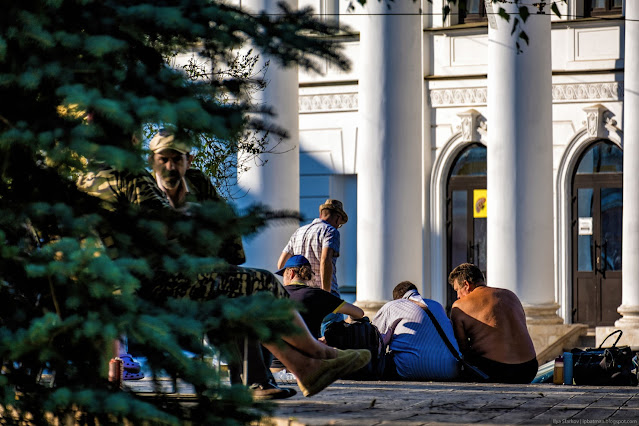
[479, 203]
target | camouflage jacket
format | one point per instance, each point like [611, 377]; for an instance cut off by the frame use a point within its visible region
[201, 189]
[117, 189]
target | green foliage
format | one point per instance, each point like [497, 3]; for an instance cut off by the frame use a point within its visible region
[64, 295]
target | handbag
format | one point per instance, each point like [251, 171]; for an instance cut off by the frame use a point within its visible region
[613, 366]
[360, 334]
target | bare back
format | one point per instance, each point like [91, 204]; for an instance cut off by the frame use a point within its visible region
[490, 322]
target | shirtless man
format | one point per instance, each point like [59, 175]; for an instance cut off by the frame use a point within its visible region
[490, 327]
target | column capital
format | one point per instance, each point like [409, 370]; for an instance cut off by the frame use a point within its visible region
[541, 314]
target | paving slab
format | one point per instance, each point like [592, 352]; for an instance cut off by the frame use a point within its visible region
[442, 403]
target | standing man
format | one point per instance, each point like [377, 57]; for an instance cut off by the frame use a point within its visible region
[319, 242]
[490, 328]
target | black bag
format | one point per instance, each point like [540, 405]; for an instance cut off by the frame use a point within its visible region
[614, 366]
[360, 334]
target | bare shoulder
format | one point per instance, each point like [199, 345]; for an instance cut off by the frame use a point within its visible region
[504, 293]
[457, 310]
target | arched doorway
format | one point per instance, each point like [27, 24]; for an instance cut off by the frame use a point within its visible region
[597, 207]
[466, 212]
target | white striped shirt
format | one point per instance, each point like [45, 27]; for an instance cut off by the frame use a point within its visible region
[420, 352]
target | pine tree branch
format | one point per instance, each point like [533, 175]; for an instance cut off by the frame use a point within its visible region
[54, 298]
[5, 121]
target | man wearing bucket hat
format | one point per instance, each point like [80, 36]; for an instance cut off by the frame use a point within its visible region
[170, 159]
[319, 242]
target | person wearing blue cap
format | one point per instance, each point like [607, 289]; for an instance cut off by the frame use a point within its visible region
[297, 273]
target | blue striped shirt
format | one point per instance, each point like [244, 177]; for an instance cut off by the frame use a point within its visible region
[420, 352]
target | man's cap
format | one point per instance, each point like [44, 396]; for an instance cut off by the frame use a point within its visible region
[294, 262]
[334, 205]
[166, 140]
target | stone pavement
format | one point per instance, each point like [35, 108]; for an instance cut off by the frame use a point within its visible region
[443, 403]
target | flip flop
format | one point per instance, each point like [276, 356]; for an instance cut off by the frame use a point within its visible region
[129, 364]
[128, 375]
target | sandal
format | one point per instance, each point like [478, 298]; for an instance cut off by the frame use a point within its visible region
[128, 375]
[129, 364]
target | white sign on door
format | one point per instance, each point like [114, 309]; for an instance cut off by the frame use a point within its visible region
[585, 226]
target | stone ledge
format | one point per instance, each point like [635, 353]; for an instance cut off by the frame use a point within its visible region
[550, 340]
[630, 336]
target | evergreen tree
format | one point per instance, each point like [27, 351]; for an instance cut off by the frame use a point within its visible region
[63, 298]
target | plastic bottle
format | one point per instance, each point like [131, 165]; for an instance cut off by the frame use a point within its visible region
[558, 372]
[115, 371]
[567, 368]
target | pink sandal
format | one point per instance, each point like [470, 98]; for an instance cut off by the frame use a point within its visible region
[129, 364]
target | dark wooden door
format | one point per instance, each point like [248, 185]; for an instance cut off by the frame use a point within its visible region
[466, 208]
[466, 225]
[597, 235]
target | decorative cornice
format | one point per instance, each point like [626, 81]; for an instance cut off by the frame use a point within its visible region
[611, 91]
[571, 92]
[455, 97]
[332, 102]
[581, 92]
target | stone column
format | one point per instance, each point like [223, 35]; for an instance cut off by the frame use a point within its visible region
[389, 152]
[520, 172]
[629, 309]
[276, 183]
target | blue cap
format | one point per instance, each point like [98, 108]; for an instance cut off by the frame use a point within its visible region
[294, 262]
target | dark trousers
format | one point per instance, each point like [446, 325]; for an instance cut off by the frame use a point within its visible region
[390, 369]
[504, 373]
[258, 362]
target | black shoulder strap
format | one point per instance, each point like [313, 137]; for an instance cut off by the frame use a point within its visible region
[449, 345]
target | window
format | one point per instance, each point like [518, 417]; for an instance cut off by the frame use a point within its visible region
[602, 157]
[472, 11]
[602, 7]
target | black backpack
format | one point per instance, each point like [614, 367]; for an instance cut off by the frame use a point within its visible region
[360, 334]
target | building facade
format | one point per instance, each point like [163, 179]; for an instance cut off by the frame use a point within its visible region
[453, 140]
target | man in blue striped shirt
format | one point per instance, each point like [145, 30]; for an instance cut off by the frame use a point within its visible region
[417, 350]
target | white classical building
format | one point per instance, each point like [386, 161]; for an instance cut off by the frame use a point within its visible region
[453, 140]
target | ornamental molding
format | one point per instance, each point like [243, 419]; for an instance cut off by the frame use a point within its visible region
[611, 91]
[455, 97]
[473, 126]
[601, 123]
[571, 92]
[332, 102]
